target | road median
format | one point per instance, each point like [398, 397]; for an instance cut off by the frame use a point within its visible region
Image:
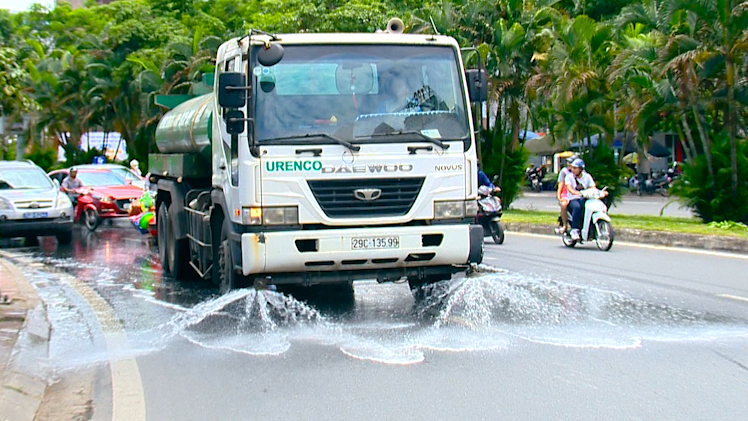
[661, 231]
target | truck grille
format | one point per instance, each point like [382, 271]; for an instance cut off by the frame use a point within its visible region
[337, 199]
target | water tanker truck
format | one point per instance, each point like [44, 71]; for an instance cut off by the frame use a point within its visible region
[322, 159]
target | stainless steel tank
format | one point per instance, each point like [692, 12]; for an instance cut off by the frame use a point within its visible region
[187, 127]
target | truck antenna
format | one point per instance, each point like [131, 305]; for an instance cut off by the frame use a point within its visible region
[433, 25]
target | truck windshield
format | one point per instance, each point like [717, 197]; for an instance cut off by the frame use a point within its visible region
[360, 94]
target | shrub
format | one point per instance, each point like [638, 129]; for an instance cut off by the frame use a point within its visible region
[513, 174]
[711, 198]
[45, 158]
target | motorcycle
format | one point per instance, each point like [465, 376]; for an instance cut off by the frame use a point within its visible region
[654, 183]
[86, 209]
[596, 226]
[489, 214]
[534, 181]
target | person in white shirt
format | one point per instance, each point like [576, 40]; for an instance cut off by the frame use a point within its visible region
[577, 181]
[561, 193]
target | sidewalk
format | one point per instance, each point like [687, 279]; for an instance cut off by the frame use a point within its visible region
[630, 204]
[24, 341]
[658, 238]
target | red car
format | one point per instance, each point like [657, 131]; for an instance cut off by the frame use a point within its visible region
[104, 195]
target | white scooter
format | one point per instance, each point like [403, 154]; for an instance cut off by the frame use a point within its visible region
[597, 224]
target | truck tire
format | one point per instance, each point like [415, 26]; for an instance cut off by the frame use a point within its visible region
[162, 236]
[178, 254]
[417, 284]
[227, 276]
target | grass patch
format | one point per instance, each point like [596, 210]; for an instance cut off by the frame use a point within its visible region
[642, 222]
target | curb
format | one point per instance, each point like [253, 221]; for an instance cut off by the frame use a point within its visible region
[23, 384]
[658, 238]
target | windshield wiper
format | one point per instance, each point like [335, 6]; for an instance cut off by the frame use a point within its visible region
[347, 144]
[420, 135]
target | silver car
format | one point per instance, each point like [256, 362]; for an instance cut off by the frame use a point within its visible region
[32, 205]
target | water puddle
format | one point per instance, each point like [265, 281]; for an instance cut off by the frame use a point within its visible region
[490, 310]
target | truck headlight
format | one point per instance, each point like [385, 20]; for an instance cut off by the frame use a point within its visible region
[449, 210]
[5, 204]
[63, 201]
[455, 209]
[287, 215]
[251, 216]
[280, 216]
[471, 208]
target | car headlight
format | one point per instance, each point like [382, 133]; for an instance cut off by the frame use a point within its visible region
[288, 215]
[5, 204]
[63, 201]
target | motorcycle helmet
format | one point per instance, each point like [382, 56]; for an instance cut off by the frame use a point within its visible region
[578, 163]
[572, 158]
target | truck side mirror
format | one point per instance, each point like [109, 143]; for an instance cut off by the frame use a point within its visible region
[232, 90]
[477, 84]
[235, 122]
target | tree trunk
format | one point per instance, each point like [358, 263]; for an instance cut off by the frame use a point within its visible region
[514, 117]
[686, 149]
[689, 135]
[732, 127]
[704, 141]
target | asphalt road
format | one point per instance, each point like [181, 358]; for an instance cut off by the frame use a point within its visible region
[630, 204]
[542, 332]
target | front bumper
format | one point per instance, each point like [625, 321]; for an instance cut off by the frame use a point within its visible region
[331, 250]
[35, 227]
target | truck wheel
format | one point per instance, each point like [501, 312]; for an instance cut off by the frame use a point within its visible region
[162, 236]
[64, 238]
[178, 253]
[227, 274]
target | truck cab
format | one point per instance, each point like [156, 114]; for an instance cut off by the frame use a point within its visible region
[322, 158]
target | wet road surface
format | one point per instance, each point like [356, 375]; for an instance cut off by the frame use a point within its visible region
[637, 333]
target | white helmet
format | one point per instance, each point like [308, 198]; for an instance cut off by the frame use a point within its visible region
[134, 164]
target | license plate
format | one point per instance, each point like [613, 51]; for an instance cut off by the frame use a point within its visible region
[34, 215]
[375, 243]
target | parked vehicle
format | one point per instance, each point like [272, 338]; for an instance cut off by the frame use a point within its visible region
[252, 188]
[104, 195]
[653, 183]
[489, 214]
[534, 178]
[597, 225]
[130, 176]
[31, 204]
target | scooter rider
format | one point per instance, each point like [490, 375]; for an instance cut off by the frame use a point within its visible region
[577, 181]
[483, 180]
[561, 193]
[71, 184]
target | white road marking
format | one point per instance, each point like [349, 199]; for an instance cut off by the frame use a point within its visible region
[128, 398]
[733, 297]
[648, 246]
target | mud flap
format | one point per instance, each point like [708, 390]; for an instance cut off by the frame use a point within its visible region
[476, 244]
